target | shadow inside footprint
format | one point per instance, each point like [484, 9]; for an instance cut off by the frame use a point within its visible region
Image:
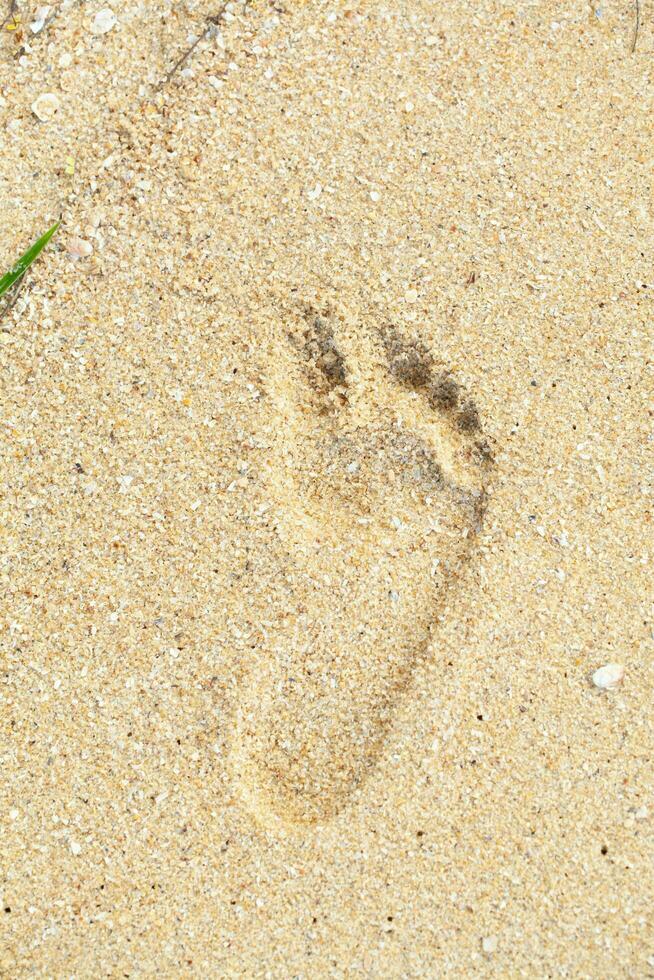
[379, 474]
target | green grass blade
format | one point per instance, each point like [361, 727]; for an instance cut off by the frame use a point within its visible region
[26, 260]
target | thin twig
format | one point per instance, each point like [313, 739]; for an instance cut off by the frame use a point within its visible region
[636, 27]
[49, 20]
[212, 23]
[10, 13]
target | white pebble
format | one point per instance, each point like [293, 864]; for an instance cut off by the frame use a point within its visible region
[314, 193]
[375, 196]
[642, 813]
[75, 847]
[46, 106]
[489, 944]
[608, 676]
[103, 21]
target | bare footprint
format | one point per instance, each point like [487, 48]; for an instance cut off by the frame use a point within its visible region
[378, 474]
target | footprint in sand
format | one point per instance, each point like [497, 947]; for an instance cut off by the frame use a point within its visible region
[378, 475]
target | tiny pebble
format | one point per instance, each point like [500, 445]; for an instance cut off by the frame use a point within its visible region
[314, 193]
[375, 196]
[489, 944]
[75, 847]
[103, 21]
[608, 676]
[641, 813]
[65, 60]
[46, 106]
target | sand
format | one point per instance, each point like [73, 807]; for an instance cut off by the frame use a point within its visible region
[326, 487]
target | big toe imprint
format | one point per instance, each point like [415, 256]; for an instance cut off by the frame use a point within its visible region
[378, 475]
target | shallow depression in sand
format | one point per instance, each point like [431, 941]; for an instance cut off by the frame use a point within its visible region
[379, 474]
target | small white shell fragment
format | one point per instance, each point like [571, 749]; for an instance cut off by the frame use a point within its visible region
[40, 18]
[489, 944]
[75, 847]
[642, 813]
[314, 193]
[375, 196]
[46, 106]
[125, 483]
[608, 676]
[103, 21]
[79, 249]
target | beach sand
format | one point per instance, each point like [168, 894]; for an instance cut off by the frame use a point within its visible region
[326, 427]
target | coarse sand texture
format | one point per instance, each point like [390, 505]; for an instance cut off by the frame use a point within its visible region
[378, 475]
[326, 490]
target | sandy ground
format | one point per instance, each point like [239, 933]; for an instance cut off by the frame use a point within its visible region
[327, 484]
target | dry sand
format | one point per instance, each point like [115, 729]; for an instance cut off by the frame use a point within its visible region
[326, 486]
